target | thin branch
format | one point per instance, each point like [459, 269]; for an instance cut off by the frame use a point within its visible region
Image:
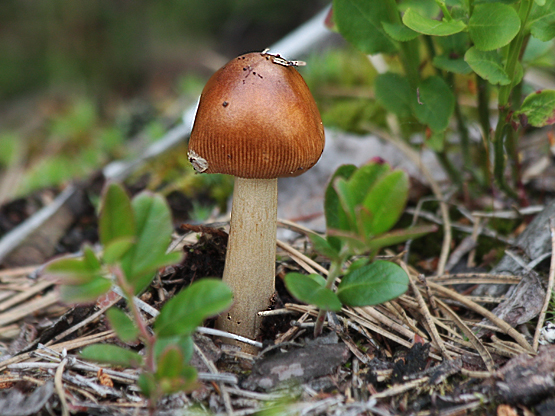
[549, 289]
[60, 388]
[501, 324]
[427, 316]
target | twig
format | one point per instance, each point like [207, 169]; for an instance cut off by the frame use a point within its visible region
[400, 388]
[427, 316]
[223, 334]
[501, 324]
[303, 260]
[515, 213]
[549, 289]
[28, 308]
[488, 361]
[26, 294]
[464, 228]
[212, 368]
[60, 387]
[82, 323]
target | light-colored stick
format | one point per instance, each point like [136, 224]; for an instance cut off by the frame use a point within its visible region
[548, 290]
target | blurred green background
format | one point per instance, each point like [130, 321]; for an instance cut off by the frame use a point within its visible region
[84, 82]
[123, 46]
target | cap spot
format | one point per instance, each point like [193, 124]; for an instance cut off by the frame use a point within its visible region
[225, 103]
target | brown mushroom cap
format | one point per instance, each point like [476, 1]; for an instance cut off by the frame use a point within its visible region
[256, 119]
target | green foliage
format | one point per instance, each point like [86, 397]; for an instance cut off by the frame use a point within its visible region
[488, 65]
[360, 22]
[135, 235]
[112, 354]
[186, 310]
[373, 284]
[436, 103]
[312, 289]
[431, 27]
[487, 38]
[539, 108]
[493, 25]
[122, 324]
[394, 93]
[361, 206]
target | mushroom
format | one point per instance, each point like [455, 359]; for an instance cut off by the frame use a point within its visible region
[257, 121]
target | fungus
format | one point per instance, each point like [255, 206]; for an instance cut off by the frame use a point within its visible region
[269, 127]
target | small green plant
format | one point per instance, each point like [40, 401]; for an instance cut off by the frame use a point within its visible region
[479, 41]
[361, 206]
[135, 235]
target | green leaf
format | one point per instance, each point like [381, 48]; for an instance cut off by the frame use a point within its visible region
[143, 279]
[386, 202]
[353, 192]
[399, 32]
[347, 201]
[356, 243]
[539, 108]
[322, 246]
[541, 22]
[493, 26]
[116, 216]
[437, 103]
[91, 261]
[153, 230]
[393, 92]
[487, 65]
[85, 292]
[147, 384]
[360, 23]
[457, 66]
[364, 178]
[125, 328]
[376, 283]
[112, 354]
[311, 289]
[75, 270]
[184, 343]
[186, 310]
[336, 218]
[116, 249]
[185, 381]
[399, 236]
[431, 27]
[170, 363]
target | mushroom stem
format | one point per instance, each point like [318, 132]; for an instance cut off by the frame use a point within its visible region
[251, 255]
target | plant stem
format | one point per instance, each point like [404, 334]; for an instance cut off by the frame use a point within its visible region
[449, 168]
[147, 338]
[443, 8]
[408, 52]
[333, 273]
[483, 104]
[514, 54]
